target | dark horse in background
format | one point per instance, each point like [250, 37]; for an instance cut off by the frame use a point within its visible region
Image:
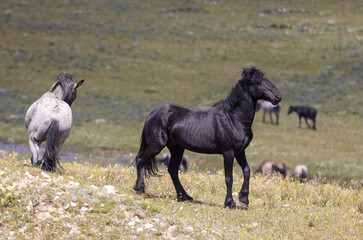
[305, 112]
[223, 129]
[270, 108]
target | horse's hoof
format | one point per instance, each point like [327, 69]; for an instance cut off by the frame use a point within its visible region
[244, 206]
[139, 190]
[185, 198]
[230, 205]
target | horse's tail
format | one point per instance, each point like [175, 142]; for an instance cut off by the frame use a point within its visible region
[50, 157]
[150, 165]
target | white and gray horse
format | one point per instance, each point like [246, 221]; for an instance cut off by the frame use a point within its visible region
[270, 108]
[50, 119]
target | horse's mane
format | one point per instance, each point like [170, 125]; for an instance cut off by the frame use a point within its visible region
[239, 91]
[66, 82]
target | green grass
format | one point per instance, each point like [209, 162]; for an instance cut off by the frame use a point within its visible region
[136, 55]
[76, 206]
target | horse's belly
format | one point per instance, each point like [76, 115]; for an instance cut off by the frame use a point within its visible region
[194, 138]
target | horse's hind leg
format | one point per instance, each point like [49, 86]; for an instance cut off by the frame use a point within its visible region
[271, 121]
[34, 148]
[142, 159]
[173, 169]
[306, 121]
[264, 113]
[314, 123]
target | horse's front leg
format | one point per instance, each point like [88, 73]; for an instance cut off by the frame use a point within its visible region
[34, 149]
[245, 190]
[228, 174]
[271, 121]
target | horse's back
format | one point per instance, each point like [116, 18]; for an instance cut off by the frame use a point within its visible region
[47, 110]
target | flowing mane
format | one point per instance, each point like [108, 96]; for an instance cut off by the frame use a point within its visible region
[239, 93]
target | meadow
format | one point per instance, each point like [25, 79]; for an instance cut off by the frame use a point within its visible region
[92, 202]
[137, 55]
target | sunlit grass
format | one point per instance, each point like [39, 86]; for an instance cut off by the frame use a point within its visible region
[76, 203]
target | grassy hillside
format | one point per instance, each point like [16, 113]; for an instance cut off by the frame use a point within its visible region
[136, 55]
[92, 202]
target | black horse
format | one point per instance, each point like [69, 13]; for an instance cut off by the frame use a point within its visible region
[305, 112]
[166, 161]
[224, 129]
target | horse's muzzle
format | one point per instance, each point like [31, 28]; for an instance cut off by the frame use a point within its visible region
[277, 99]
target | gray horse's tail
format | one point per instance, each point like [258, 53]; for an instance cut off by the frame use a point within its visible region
[50, 157]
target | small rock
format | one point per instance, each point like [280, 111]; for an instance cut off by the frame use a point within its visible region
[56, 198]
[131, 224]
[1, 172]
[109, 189]
[148, 226]
[139, 230]
[66, 206]
[189, 229]
[44, 175]
[93, 187]
[84, 209]
[28, 175]
[73, 204]
[156, 220]
[75, 184]
[99, 121]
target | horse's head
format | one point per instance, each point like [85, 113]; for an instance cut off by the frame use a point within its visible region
[260, 86]
[291, 109]
[67, 86]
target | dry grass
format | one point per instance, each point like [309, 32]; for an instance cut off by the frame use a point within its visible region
[70, 206]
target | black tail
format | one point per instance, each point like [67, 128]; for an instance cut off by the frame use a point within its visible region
[150, 165]
[50, 157]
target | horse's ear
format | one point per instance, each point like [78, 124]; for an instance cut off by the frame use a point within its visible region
[79, 83]
[244, 72]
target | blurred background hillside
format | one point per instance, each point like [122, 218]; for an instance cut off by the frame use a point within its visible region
[137, 55]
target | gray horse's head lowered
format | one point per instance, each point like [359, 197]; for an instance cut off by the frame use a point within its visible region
[260, 86]
[69, 88]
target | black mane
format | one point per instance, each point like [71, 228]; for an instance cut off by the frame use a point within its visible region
[238, 93]
[66, 82]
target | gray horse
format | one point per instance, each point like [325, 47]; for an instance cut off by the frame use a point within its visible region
[270, 108]
[50, 119]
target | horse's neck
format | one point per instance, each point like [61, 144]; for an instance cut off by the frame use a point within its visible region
[245, 110]
[57, 93]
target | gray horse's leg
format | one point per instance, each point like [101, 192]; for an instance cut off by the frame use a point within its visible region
[173, 169]
[34, 149]
[228, 176]
[264, 112]
[245, 190]
[270, 113]
[277, 118]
